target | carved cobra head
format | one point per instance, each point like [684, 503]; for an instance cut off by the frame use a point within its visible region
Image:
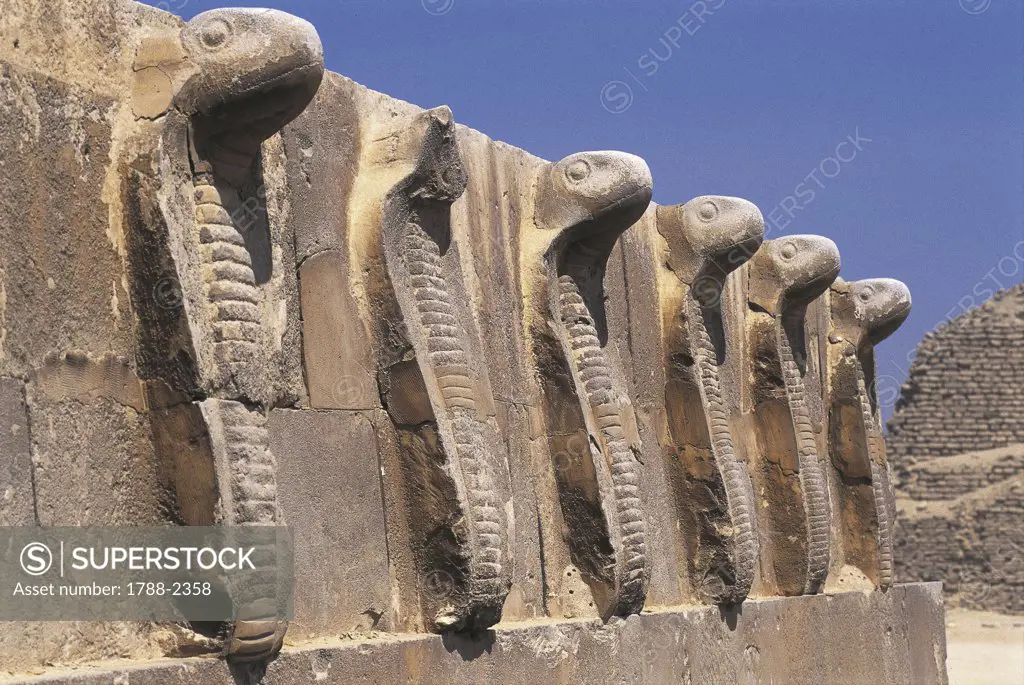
[254, 69]
[875, 306]
[582, 204]
[430, 139]
[710, 236]
[792, 271]
[608, 188]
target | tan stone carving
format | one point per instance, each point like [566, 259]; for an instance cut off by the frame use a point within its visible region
[705, 240]
[434, 385]
[581, 204]
[214, 93]
[784, 276]
[862, 314]
[434, 356]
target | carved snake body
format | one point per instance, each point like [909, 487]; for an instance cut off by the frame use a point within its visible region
[582, 204]
[447, 356]
[591, 366]
[794, 271]
[707, 238]
[231, 79]
[812, 476]
[423, 267]
[863, 314]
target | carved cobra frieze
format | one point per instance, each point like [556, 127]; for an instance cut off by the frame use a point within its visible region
[705, 240]
[861, 315]
[581, 205]
[785, 275]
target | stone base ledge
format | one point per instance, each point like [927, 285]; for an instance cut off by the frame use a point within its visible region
[894, 638]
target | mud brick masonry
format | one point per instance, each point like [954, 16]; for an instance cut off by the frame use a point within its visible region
[956, 441]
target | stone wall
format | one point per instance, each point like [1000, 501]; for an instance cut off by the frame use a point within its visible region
[972, 543]
[953, 477]
[965, 392]
[482, 388]
[798, 641]
[957, 443]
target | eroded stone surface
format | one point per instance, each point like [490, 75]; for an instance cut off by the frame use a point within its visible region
[783, 277]
[701, 243]
[329, 485]
[861, 314]
[476, 383]
[17, 491]
[895, 638]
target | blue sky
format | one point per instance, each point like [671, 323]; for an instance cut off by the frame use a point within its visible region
[749, 98]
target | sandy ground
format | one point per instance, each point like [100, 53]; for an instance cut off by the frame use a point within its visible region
[984, 648]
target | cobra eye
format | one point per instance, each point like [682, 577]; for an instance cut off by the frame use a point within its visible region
[865, 294]
[215, 34]
[788, 251]
[707, 210]
[577, 171]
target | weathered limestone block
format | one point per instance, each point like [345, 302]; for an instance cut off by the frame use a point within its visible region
[200, 195]
[329, 485]
[433, 383]
[61, 285]
[335, 342]
[321, 148]
[185, 463]
[17, 491]
[92, 45]
[702, 242]
[897, 638]
[93, 463]
[581, 205]
[782, 278]
[860, 315]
